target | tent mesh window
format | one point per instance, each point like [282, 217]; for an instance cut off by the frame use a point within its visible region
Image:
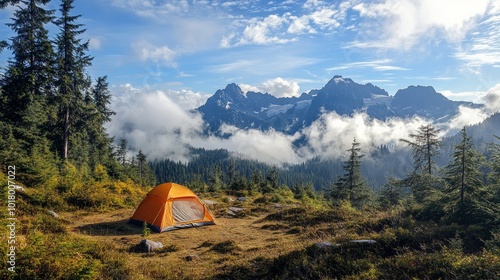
[187, 210]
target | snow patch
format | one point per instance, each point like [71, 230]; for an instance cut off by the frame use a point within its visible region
[278, 109]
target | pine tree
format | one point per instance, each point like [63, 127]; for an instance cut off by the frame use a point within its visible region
[425, 145]
[256, 181]
[352, 186]
[215, 179]
[272, 181]
[494, 176]
[121, 154]
[231, 175]
[72, 80]
[97, 103]
[465, 192]
[391, 193]
[27, 83]
[102, 98]
[141, 164]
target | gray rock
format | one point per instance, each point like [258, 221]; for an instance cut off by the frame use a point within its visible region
[150, 245]
[277, 205]
[52, 213]
[209, 202]
[364, 241]
[233, 211]
[326, 245]
[242, 198]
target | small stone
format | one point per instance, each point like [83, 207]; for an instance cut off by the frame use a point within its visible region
[190, 258]
[52, 213]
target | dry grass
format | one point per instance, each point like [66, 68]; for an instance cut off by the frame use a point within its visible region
[192, 253]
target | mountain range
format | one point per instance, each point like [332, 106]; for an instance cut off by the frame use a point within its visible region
[263, 111]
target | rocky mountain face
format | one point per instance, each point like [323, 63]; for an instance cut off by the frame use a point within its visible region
[255, 110]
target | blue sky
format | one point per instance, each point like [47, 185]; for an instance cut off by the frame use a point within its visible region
[191, 48]
[164, 58]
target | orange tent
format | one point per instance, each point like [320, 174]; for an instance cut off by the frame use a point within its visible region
[170, 206]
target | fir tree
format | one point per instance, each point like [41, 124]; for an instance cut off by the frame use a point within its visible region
[271, 181]
[215, 180]
[425, 145]
[465, 192]
[72, 80]
[121, 153]
[494, 176]
[352, 186]
[141, 164]
[27, 83]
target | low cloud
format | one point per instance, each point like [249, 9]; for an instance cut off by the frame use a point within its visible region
[466, 117]
[492, 99]
[151, 121]
[271, 146]
[162, 124]
[332, 134]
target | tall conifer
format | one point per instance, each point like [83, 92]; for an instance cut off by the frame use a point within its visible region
[72, 79]
[27, 83]
[352, 186]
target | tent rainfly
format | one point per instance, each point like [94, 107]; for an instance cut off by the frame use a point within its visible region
[170, 206]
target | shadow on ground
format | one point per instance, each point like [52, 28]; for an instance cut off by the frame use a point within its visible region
[121, 227]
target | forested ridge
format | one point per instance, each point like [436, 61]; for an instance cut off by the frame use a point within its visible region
[436, 216]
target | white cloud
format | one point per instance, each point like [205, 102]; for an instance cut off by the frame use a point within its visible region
[95, 43]
[332, 135]
[482, 47]
[280, 29]
[278, 87]
[325, 19]
[152, 9]
[466, 117]
[260, 31]
[271, 146]
[471, 96]
[147, 51]
[378, 65]
[260, 65]
[282, 88]
[153, 122]
[492, 99]
[402, 24]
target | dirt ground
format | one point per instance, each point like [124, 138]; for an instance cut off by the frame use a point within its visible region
[193, 253]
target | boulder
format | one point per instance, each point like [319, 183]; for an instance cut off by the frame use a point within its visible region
[209, 202]
[149, 246]
[242, 198]
[233, 211]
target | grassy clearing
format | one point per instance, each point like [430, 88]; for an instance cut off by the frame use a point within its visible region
[270, 241]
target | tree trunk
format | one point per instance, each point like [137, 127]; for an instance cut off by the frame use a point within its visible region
[66, 134]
